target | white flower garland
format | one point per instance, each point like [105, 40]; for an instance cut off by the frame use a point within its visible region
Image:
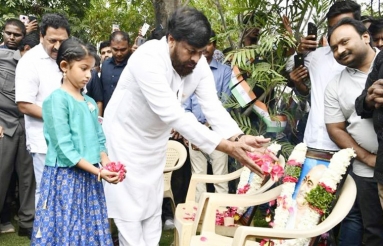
[331, 177]
[285, 200]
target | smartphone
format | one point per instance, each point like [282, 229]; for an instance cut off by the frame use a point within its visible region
[31, 18]
[24, 19]
[144, 29]
[115, 27]
[299, 60]
[312, 30]
[140, 40]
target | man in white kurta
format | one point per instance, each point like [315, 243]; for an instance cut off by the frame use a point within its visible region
[145, 106]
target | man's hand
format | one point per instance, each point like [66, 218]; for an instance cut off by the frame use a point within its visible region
[247, 143]
[370, 160]
[31, 26]
[374, 96]
[298, 75]
[175, 134]
[307, 44]
[1, 132]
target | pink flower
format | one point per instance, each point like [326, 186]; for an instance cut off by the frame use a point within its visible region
[294, 163]
[290, 179]
[244, 189]
[276, 172]
[327, 188]
[116, 167]
[203, 239]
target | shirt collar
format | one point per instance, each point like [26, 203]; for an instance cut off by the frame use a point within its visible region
[17, 55]
[123, 63]
[214, 63]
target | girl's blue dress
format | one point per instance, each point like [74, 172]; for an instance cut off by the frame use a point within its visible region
[71, 209]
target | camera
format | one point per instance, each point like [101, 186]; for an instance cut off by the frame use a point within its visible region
[24, 19]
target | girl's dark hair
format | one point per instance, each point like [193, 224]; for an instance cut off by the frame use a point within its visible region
[73, 49]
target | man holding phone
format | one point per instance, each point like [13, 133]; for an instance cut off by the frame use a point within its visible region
[322, 68]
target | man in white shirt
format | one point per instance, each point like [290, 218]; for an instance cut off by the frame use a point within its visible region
[350, 42]
[322, 68]
[146, 105]
[37, 75]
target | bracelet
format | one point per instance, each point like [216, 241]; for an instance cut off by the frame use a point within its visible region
[238, 137]
[99, 174]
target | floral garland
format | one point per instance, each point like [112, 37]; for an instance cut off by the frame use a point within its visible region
[319, 198]
[249, 182]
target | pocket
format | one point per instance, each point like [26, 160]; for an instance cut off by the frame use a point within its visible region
[7, 82]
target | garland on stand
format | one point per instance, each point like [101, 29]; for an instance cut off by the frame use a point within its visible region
[319, 198]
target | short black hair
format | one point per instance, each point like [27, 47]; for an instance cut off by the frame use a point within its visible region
[54, 20]
[157, 33]
[93, 50]
[104, 44]
[343, 7]
[358, 26]
[213, 37]
[124, 36]
[16, 22]
[376, 27]
[189, 25]
[31, 39]
[366, 18]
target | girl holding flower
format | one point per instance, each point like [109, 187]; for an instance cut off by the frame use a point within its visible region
[72, 209]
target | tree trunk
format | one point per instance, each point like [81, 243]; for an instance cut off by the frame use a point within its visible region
[163, 9]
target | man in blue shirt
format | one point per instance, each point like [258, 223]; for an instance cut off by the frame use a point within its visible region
[112, 68]
[219, 160]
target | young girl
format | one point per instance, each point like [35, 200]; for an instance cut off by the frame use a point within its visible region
[72, 209]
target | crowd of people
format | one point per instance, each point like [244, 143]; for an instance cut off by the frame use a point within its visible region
[68, 111]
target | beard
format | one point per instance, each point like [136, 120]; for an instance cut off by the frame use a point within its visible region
[182, 68]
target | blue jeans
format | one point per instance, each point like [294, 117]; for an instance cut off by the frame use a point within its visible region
[351, 228]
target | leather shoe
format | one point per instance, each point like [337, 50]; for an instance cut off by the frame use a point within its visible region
[25, 232]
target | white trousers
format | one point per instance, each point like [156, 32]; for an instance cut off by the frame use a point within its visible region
[199, 164]
[139, 233]
[38, 167]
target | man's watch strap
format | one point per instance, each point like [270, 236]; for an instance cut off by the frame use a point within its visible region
[238, 137]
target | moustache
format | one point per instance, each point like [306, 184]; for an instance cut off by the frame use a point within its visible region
[344, 54]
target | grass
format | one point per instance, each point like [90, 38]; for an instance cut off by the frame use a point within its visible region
[167, 237]
[12, 239]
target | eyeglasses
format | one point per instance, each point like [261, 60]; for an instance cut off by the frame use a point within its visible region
[16, 35]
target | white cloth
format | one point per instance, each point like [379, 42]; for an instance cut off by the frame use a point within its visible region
[37, 76]
[322, 68]
[136, 233]
[340, 97]
[137, 123]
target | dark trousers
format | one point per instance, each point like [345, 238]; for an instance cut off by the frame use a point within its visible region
[14, 156]
[367, 207]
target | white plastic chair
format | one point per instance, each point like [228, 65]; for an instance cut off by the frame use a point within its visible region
[245, 235]
[175, 158]
[186, 227]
